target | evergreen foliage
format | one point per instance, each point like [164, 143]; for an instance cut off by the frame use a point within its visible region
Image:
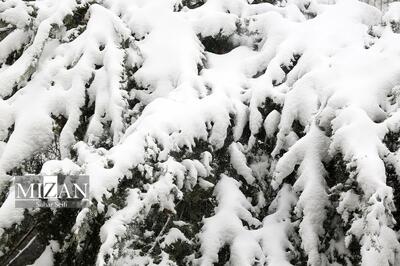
[213, 132]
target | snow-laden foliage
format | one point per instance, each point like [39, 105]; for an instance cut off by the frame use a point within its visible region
[213, 132]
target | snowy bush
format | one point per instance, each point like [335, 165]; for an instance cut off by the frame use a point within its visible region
[213, 132]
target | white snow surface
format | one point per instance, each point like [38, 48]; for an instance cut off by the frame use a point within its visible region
[341, 90]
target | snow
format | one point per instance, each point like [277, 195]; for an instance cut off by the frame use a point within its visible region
[393, 14]
[226, 226]
[238, 161]
[331, 69]
[173, 236]
[8, 210]
[276, 226]
[16, 12]
[271, 123]
[47, 257]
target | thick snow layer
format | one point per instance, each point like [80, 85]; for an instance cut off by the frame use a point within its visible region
[330, 74]
[226, 226]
